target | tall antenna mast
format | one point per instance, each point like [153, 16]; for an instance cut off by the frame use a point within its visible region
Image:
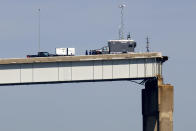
[121, 30]
[38, 30]
[147, 44]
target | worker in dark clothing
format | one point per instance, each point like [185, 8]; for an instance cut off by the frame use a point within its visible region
[86, 52]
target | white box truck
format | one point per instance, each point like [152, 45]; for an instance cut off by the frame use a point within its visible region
[61, 51]
[65, 51]
[70, 51]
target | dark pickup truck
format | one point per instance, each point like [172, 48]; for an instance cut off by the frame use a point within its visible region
[42, 54]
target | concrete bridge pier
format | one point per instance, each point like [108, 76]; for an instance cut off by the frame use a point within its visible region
[157, 105]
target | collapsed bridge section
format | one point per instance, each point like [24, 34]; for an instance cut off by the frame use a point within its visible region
[80, 68]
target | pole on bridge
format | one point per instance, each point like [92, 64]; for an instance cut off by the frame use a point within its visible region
[157, 105]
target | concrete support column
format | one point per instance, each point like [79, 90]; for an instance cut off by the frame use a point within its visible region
[157, 106]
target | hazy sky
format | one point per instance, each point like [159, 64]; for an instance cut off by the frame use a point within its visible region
[88, 24]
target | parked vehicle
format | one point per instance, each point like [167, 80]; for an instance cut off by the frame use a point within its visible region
[65, 51]
[115, 47]
[41, 54]
[59, 52]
